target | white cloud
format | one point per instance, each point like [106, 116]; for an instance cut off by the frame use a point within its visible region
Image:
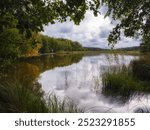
[92, 32]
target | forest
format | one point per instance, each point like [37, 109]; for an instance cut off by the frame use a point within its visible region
[17, 45]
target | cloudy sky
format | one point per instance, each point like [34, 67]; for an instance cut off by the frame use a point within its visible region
[92, 32]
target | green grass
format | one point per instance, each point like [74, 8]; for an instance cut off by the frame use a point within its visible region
[16, 98]
[57, 105]
[121, 82]
[125, 52]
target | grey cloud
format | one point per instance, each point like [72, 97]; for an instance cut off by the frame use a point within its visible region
[127, 42]
[65, 30]
[92, 32]
[104, 33]
[99, 44]
[93, 40]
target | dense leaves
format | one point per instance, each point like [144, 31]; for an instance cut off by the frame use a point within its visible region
[133, 16]
[10, 41]
[31, 15]
[145, 45]
[13, 44]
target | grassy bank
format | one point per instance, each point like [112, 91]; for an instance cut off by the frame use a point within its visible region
[134, 52]
[122, 81]
[16, 98]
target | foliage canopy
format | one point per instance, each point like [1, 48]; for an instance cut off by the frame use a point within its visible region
[133, 16]
[33, 14]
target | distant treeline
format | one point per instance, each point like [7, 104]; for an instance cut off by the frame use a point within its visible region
[136, 48]
[50, 45]
[94, 49]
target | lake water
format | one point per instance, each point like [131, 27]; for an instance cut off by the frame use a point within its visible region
[79, 78]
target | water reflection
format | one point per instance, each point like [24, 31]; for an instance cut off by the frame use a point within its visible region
[78, 78]
[27, 71]
[82, 83]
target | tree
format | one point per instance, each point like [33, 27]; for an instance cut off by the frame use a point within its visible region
[31, 46]
[10, 39]
[45, 46]
[133, 16]
[145, 45]
[10, 42]
[31, 15]
[50, 44]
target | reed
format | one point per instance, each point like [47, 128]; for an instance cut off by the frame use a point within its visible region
[121, 82]
[16, 98]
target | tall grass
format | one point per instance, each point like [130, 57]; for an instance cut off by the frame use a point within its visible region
[121, 82]
[57, 105]
[16, 98]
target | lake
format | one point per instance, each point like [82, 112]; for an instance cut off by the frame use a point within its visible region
[79, 78]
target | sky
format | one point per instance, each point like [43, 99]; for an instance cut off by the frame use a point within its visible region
[92, 32]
